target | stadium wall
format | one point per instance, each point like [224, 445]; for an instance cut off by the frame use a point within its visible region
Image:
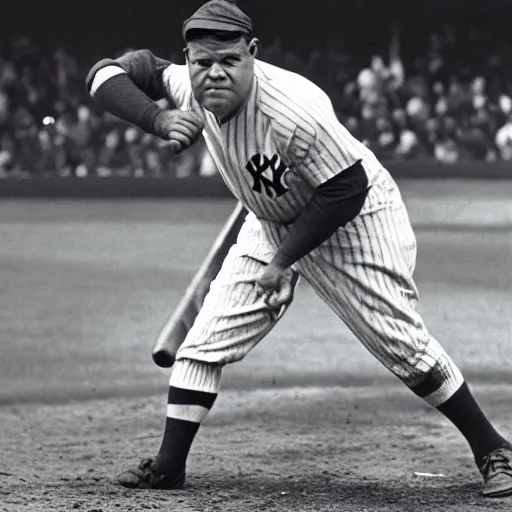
[196, 187]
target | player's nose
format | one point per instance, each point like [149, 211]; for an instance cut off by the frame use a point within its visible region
[216, 72]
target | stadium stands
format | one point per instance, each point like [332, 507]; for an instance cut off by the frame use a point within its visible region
[452, 103]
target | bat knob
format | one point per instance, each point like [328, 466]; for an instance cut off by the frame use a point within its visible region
[175, 146]
[163, 359]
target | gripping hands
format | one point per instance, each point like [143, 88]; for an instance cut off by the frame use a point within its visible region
[180, 128]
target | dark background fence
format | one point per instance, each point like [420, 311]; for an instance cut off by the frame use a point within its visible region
[202, 187]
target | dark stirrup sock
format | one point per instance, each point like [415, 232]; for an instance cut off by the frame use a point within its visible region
[185, 411]
[465, 413]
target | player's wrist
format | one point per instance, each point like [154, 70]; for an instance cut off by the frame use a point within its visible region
[278, 263]
[161, 123]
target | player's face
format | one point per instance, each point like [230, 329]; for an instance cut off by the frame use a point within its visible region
[221, 74]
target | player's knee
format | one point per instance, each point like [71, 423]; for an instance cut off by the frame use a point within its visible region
[433, 376]
[196, 375]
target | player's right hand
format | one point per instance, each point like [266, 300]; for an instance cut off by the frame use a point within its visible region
[180, 128]
[275, 297]
[282, 296]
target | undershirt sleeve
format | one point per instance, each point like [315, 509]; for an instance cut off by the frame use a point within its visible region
[128, 87]
[334, 204]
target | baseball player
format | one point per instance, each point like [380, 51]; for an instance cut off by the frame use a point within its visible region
[321, 206]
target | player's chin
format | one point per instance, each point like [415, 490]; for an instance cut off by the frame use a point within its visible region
[220, 107]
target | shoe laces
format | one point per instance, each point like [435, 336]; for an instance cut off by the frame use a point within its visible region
[497, 461]
[147, 468]
[145, 464]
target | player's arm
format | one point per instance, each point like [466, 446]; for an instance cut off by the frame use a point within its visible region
[334, 204]
[129, 86]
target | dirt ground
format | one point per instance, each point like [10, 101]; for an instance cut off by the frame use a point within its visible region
[308, 422]
[298, 449]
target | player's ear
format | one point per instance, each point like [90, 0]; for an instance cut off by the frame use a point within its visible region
[254, 46]
[185, 51]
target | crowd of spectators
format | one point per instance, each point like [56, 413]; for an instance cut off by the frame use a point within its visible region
[443, 105]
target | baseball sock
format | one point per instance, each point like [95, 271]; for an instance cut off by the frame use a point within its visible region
[193, 388]
[186, 410]
[465, 413]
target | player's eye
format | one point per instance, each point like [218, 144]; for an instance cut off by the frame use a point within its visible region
[230, 61]
[204, 63]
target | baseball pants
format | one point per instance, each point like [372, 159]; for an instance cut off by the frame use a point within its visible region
[363, 273]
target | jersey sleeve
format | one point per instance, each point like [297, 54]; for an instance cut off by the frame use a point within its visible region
[176, 83]
[142, 66]
[322, 147]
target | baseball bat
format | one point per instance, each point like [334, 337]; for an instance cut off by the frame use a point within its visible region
[175, 330]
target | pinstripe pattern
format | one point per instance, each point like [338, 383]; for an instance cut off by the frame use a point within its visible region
[363, 272]
[233, 319]
[288, 116]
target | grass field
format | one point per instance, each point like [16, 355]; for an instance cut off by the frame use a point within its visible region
[309, 421]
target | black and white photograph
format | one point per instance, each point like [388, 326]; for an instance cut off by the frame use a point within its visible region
[255, 255]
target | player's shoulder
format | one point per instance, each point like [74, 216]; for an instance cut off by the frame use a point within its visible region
[290, 99]
[177, 73]
[178, 70]
[141, 62]
[176, 81]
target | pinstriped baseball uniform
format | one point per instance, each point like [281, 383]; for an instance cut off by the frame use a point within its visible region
[316, 197]
[285, 142]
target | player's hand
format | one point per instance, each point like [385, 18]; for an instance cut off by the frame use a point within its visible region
[180, 128]
[276, 286]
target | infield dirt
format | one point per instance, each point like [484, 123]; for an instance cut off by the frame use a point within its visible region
[298, 449]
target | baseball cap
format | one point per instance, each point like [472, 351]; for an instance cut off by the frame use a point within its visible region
[221, 15]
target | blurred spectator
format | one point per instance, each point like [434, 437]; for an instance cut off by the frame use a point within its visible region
[409, 146]
[25, 135]
[135, 151]
[473, 142]
[82, 140]
[112, 158]
[48, 154]
[451, 102]
[4, 109]
[446, 151]
[151, 155]
[504, 140]
[385, 144]
[6, 153]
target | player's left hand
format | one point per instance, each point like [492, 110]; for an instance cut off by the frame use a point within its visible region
[276, 285]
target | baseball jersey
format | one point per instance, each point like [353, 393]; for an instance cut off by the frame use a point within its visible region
[284, 142]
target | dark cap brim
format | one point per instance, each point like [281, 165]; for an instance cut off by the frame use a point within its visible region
[209, 24]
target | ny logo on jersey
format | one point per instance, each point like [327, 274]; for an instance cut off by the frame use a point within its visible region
[268, 174]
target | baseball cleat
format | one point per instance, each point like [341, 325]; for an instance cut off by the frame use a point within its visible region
[497, 473]
[145, 476]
